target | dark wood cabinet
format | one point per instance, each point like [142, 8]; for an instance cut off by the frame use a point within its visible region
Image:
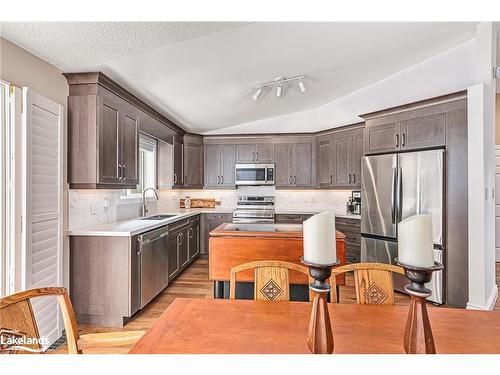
[339, 159]
[178, 162]
[255, 153]
[357, 144]
[294, 163]
[102, 141]
[208, 223]
[400, 133]
[324, 148]
[342, 160]
[351, 228]
[193, 161]
[194, 237]
[380, 138]
[173, 254]
[283, 165]
[104, 120]
[178, 247]
[423, 132]
[219, 165]
[129, 146]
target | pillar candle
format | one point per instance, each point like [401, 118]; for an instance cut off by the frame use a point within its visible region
[415, 243]
[319, 239]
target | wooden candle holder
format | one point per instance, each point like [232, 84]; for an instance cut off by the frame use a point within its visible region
[418, 337]
[319, 335]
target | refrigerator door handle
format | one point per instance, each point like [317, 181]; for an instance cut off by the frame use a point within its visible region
[399, 189]
[393, 196]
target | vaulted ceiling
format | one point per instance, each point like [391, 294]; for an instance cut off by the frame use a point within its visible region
[203, 75]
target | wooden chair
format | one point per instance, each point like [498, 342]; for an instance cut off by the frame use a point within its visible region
[271, 279]
[373, 282]
[17, 318]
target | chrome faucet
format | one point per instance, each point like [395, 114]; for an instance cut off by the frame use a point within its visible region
[144, 208]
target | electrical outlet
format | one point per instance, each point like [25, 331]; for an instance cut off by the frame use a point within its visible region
[93, 209]
[106, 203]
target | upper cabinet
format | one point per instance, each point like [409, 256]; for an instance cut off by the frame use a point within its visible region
[178, 162]
[295, 165]
[255, 153]
[339, 158]
[102, 141]
[406, 132]
[219, 165]
[193, 161]
[104, 121]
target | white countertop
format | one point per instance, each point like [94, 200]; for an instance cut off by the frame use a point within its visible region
[132, 227]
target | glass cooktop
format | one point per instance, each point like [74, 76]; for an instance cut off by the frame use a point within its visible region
[262, 227]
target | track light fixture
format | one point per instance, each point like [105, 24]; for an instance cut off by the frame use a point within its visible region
[257, 94]
[279, 83]
[279, 90]
[301, 85]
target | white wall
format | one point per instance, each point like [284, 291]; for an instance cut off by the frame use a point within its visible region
[481, 173]
[22, 69]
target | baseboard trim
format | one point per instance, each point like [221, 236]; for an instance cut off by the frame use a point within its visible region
[490, 303]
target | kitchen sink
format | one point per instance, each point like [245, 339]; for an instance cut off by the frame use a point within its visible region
[157, 217]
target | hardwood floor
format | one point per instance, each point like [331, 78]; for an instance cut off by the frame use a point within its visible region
[194, 283]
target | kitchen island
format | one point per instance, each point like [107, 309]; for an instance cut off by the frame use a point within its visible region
[234, 244]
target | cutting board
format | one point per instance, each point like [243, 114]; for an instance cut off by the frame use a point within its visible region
[200, 203]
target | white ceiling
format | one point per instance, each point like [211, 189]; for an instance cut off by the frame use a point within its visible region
[204, 74]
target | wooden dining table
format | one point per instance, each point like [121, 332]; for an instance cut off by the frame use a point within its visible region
[205, 326]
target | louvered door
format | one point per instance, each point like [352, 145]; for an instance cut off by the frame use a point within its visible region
[42, 206]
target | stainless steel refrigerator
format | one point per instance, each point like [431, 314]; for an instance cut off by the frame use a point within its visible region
[394, 187]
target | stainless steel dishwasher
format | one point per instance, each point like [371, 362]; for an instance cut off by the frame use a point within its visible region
[153, 263]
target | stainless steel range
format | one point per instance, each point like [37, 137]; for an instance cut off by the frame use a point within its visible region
[251, 209]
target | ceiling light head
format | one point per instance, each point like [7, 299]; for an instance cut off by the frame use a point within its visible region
[257, 94]
[279, 91]
[301, 85]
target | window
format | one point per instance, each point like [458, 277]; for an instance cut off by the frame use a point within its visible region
[147, 166]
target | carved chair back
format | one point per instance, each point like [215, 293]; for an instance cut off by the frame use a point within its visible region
[17, 319]
[271, 281]
[373, 282]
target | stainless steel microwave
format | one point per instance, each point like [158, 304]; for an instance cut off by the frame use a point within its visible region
[254, 174]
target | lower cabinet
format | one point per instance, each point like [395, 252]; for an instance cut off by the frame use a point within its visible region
[183, 245]
[194, 238]
[107, 274]
[351, 228]
[208, 223]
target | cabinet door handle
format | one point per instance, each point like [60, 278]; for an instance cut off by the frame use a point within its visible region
[349, 178]
[397, 140]
[175, 178]
[353, 178]
[257, 157]
[222, 180]
[185, 179]
[404, 140]
[331, 179]
[218, 180]
[294, 180]
[290, 180]
[253, 156]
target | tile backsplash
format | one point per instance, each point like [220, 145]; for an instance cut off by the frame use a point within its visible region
[91, 207]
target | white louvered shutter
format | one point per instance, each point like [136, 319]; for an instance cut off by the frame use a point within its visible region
[42, 206]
